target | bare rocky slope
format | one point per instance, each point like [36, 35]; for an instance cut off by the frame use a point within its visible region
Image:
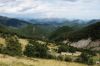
[86, 43]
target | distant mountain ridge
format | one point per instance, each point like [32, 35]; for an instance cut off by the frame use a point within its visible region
[38, 27]
[25, 28]
[91, 31]
[17, 22]
[12, 22]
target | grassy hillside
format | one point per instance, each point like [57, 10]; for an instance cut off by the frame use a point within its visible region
[23, 42]
[26, 43]
[2, 40]
[22, 61]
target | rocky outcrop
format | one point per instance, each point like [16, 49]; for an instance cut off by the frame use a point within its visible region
[82, 43]
[85, 43]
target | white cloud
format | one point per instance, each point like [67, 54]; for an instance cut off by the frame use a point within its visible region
[52, 8]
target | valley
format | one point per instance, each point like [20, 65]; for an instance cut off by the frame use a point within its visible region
[49, 32]
[57, 44]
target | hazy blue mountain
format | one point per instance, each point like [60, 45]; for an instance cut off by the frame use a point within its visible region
[12, 22]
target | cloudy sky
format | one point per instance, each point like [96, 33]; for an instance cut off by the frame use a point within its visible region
[70, 9]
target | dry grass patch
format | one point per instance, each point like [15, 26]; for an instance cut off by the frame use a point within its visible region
[23, 42]
[15, 61]
[2, 41]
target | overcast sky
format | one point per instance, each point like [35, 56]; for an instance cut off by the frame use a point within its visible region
[70, 9]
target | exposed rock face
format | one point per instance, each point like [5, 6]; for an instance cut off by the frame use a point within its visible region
[94, 44]
[86, 43]
[82, 43]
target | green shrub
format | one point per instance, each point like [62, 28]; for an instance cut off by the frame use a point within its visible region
[63, 48]
[86, 58]
[34, 49]
[1, 48]
[66, 48]
[29, 50]
[13, 47]
[68, 59]
[91, 62]
[49, 56]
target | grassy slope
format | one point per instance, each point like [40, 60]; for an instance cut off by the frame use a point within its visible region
[4, 61]
[23, 42]
[2, 41]
[15, 61]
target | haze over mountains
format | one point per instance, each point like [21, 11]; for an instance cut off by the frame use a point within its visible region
[43, 26]
[16, 22]
[56, 30]
[67, 31]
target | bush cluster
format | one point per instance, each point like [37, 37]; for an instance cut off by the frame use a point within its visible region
[13, 47]
[34, 49]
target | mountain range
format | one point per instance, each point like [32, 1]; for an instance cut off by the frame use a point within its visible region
[39, 27]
